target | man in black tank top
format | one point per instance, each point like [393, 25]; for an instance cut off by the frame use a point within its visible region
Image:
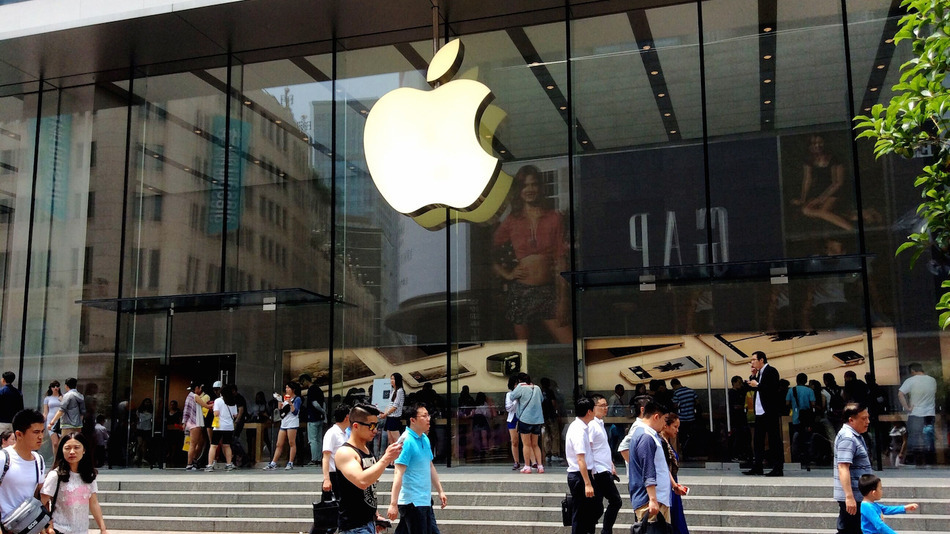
[359, 470]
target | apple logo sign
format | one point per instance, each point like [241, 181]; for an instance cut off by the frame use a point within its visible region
[423, 148]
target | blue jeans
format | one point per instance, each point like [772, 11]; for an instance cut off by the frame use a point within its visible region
[315, 439]
[368, 528]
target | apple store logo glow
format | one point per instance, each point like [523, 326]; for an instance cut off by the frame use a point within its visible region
[429, 150]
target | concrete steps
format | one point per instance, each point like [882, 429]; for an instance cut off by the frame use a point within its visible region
[482, 499]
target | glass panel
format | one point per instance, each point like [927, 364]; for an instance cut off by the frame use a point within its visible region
[71, 256]
[391, 270]
[18, 121]
[655, 212]
[512, 307]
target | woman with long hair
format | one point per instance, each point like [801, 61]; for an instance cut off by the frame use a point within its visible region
[672, 460]
[823, 185]
[69, 491]
[392, 414]
[193, 418]
[511, 406]
[51, 404]
[530, 421]
[290, 408]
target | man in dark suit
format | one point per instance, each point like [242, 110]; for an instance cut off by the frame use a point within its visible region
[768, 415]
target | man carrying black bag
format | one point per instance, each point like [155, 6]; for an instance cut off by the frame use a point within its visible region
[577, 451]
[23, 475]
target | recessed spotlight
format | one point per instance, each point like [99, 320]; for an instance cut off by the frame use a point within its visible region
[867, 109]
[247, 102]
[281, 174]
[155, 155]
[534, 64]
[767, 80]
[363, 111]
[187, 169]
[647, 47]
[873, 89]
[672, 131]
[768, 120]
[767, 56]
[503, 151]
[881, 66]
[306, 138]
[562, 108]
[888, 41]
[667, 114]
[654, 72]
[660, 95]
[549, 87]
[767, 29]
[11, 135]
[257, 161]
[278, 121]
[197, 130]
[768, 101]
[584, 142]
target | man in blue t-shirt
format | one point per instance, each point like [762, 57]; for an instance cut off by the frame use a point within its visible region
[411, 498]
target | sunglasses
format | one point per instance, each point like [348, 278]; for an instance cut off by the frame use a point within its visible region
[370, 426]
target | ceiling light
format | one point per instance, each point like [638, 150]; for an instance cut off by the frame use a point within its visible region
[154, 155]
[306, 138]
[672, 131]
[187, 169]
[257, 161]
[281, 174]
[646, 47]
[197, 130]
[247, 102]
[562, 108]
[503, 151]
[767, 80]
[278, 121]
[534, 64]
[881, 66]
[867, 109]
[768, 101]
[767, 56]
[654, 72]
[550, 87]
[873, 89]
[363, 111]
[888, 41]
[584, 142]
[767, 29]
[661, 95]
[666, 114]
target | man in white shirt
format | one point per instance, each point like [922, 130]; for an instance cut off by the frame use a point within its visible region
[918, 397]
[26, 474]
[333, 440]
[577, 452]
[603, 465]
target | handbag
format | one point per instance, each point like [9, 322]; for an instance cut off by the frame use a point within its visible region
[660, 526]
[326, 513]
[567, 510]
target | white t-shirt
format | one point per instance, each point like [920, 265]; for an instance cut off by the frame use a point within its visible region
[71, 515]
[20, 481]
[921, 391]
[225, 419]
[577, 442]
[333, 440]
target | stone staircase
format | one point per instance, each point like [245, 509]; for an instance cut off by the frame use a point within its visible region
[489, 499]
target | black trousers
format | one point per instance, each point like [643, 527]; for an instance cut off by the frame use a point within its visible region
[847, 523]
[587, 510]
[768, 425]
[604, 488]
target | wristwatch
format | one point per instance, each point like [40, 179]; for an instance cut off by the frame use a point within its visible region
[504, 363]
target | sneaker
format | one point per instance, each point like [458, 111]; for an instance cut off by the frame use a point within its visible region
[229, 467]
[314, 462]
[191, 467]
[271, 466]
[526, 469]
[288, 467]
[516, 467]
[209, 468]
[540, 469]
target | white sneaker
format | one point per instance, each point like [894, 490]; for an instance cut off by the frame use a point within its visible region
[270, 466]
[209, 468]
[289, 466]
[229, 467]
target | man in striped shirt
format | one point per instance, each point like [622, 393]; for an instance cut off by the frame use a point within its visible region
[684, 399]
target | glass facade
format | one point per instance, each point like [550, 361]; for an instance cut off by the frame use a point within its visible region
[686, 190]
